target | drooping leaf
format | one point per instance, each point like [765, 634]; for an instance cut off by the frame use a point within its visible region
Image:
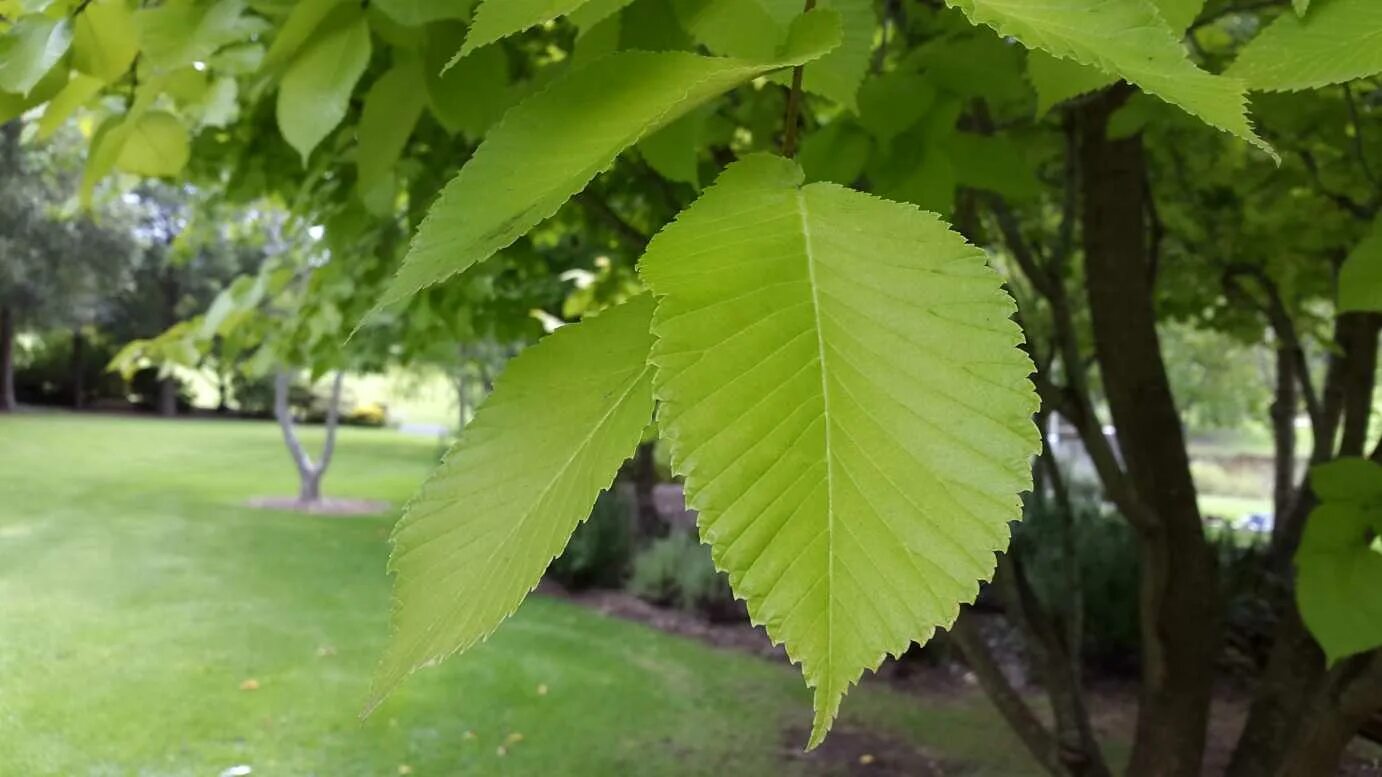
[526, 471]
[1339, 564]
[296, 29]
[1337, 41]
[29, 49]
[842, 388]
[105, 40]
[1127, 39]
[315, 92]
[392, 108]
[79, 90]
[179, 33]
[496, 19]
[1360, 279]
[600, 109]
[156, 146]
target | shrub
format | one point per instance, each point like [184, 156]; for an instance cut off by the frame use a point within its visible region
[599, 551]
[677, 571]
[44, 371]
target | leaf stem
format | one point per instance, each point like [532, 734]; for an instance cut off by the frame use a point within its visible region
[792, 119]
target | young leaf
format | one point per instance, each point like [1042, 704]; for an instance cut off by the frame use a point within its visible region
[601, 109]
[80, 88]
[315, 92]
[1339, 582]
[842, 388]
[1337, 42]
[1360, 279]
[156, 146]
[392, 108]
[29, 49]
[303, 20]
[525, 472]
[105, 40]
[1127, 39]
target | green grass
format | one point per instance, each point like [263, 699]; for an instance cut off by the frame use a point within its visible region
[137, 594]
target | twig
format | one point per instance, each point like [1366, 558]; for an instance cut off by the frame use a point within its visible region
[793, 117]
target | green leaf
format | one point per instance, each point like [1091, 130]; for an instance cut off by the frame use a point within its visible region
[297, 28]
[156, 145]
[392, 108]
[836, 152]
[180, 32]
[29, 49]
[496, 19]
[994, 163]
[79, 90]
[891, 103]
[470, 94]
[577, 126]
[106, 40]
[1337, 42]
[315, 92]
[838, 73]
[1057, 80]
[592, 12]
[415, 13]
[1300, 6]
[526, 471]
[842, 387]
[1128, 39]
[1360, 279]
[674, 150]
[1339, 565]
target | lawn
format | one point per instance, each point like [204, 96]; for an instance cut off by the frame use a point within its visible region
[151, 624]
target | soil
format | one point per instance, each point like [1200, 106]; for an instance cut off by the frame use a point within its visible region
[327, 507]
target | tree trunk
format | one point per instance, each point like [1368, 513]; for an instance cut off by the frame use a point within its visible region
[309, 474]
[1179, 622]
[7, 399]
[167, 397]
[1284, 437]
[78, 369]
[642, 472]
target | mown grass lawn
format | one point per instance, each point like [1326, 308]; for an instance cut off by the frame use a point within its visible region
[151, 624]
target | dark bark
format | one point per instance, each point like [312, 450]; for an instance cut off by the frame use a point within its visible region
[78, 369]
[1179, 622]
[642, 475]
[7, 399]
[1352, 697]
[1015, 711]
[1358, 378]
[167, 397]
[1283, 413]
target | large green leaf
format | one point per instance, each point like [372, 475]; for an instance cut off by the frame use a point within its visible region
[29, 49]
[526, 471]
[1338, 41]
[296, 29]
[392, 108]
[1128, 39]
[567, 134]
[843, 389]
[106, 40]
[1339, 581]
[1360, 279]
[79, 90]
[315, 92]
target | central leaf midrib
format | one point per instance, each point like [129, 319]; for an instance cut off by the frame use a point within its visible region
[829, 455]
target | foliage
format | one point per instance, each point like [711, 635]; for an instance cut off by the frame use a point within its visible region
[1340, 584]
[600, 550]
[678, 571]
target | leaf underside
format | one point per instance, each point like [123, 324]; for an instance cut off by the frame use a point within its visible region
[841, 385]
[1338, 41]
[562, 418]
[1128, 39]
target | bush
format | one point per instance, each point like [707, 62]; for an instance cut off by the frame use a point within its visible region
[677, 571]
[369, 414]
[598, 553]
[43, 372]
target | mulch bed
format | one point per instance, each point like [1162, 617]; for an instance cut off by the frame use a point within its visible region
[332, 508]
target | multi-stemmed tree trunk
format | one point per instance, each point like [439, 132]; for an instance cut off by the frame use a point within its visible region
[7, 398]
[310, 473]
